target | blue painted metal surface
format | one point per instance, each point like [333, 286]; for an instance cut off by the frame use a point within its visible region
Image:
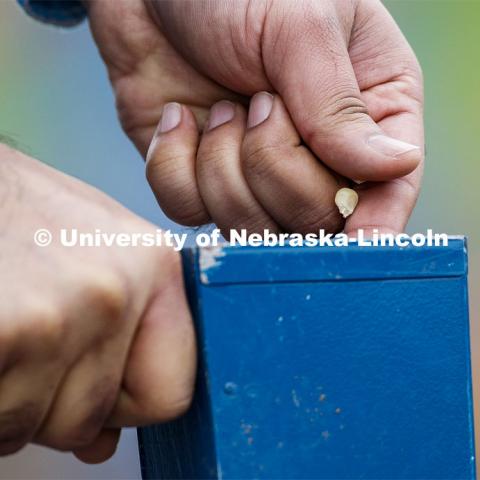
[325, 363]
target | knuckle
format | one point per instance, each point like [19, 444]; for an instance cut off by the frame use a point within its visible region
[411, 67]
[38, 320]
[179, 408]
[211, 165]
[8, 336]
[76, 437]
[173, 405]
[311, 222]
[11, 447]
[85, 427]
[343, 108]
[260, 161]
[106, 295]
[252, 222]
[49, 324]
[214, 157]
[410, 81]
[166, 405]
[88, 427]
[188, 213]
[409, 189]
[164, 165]
[17, 427]
[170, 181]
[36, 316]
[324, 23]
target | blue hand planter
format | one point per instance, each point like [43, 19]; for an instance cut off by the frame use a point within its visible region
[325, 363]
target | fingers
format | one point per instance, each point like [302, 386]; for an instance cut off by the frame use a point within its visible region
[292, 185]
[170, 167]
[83, 402]
[22, 413]
[193, 186]
[221, 182]
[103, 326]
[101, 449]
[30, 372]
[260, 177]
[59, 384]
[386, 206]
[160, 371]
[319, 86]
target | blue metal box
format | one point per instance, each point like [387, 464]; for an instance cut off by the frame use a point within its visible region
[325, 363]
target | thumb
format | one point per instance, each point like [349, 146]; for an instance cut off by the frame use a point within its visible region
[318, 84]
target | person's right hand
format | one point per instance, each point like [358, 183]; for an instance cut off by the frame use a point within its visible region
[350, 82]
[91, 338]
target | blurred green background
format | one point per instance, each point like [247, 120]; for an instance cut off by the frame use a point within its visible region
[55, 101]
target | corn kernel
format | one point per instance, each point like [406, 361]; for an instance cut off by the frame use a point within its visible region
[346, 200]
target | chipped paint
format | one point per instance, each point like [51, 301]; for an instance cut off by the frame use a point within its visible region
[219, 471]
[246, 428]
[209, 258]
[295, 398]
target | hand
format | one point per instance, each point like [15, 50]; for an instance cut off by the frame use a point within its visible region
[282, 185]
[91, 339]
[349, 79]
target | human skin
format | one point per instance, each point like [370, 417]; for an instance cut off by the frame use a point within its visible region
[106, 323]
[91, 339]
[348, 78]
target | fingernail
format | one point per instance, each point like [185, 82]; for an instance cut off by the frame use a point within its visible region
[260, 108]
[390, 146]
[222, 112]
[171, 116]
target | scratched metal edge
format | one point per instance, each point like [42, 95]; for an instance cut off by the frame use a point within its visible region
[203, 357]
[471, 409]
[240, 265]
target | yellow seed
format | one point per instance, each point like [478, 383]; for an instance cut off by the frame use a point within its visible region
[346, 200]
